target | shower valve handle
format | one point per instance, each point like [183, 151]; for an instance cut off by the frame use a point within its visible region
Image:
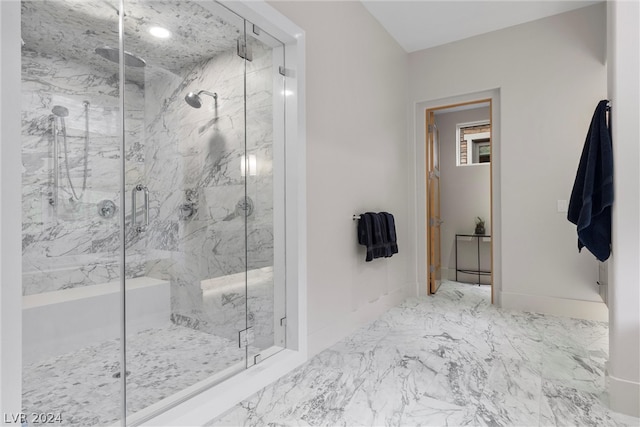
[139, 228]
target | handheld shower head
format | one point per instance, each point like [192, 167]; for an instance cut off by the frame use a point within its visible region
[194, 100]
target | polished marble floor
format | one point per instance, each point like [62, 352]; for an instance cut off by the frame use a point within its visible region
[451, 359]
[83, 386]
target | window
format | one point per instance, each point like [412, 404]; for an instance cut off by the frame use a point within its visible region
[481, 150]
[473, 143]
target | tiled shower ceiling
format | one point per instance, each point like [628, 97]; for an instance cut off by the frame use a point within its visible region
[73, 29]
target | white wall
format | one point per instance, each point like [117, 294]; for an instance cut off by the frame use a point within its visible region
[10, 208]
[623, 59]
[465, 193]
[550, 74]
[356, 162]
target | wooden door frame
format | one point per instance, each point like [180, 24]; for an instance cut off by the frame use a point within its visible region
[445, 106]
[432, 144]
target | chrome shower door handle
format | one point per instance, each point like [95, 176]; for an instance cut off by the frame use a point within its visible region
[139, 228]
[133, 208]
[146, 204]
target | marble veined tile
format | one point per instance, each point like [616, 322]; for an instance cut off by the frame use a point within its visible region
[512, 395]
[566, 406]
[449, 359]
[573, 367]
[84, 386]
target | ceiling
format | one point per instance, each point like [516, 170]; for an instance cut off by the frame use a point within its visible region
[73, 29]
[421, 24]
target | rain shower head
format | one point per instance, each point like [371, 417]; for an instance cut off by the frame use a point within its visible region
[194, 99]
[113, 55]
[60, 111]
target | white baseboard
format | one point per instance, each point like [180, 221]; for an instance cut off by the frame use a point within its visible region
[448, 274]
[588, 310]
[346, 325]
[624, 396]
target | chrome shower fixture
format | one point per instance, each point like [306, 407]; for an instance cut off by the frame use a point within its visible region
[113, 55]
[59, 129]
[194, 99]
[60, 111]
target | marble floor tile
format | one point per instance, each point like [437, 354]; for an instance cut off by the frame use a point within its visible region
[573, 367]
[83, 386]
[447, 360]
[567, 406]
[512, 395]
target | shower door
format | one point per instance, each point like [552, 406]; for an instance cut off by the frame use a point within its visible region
[72, 246]
[186, 215]
[264, 199]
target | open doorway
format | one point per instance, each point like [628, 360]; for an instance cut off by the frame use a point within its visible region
[459, 194]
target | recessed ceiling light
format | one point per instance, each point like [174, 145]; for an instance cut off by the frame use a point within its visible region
[161, 33]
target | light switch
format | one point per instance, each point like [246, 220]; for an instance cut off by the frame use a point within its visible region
[563, 206]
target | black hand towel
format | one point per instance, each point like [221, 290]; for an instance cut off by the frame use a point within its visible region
[386, 240]
[379, 241]
[592, 195]
[391, 232]
[365, 234]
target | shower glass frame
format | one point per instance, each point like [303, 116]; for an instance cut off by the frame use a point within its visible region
[252, 354]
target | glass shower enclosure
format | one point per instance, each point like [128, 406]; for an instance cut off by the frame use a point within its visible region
[152, 185]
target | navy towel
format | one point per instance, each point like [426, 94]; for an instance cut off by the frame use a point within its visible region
[377, 232]
[365, 234]
[592, 195]
[391, 232]
[379, 235]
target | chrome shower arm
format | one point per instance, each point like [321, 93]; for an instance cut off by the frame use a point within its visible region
[206, 92]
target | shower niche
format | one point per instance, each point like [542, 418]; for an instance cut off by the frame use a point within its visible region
[153, 204]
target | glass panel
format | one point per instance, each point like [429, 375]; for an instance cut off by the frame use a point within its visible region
[184, 133]
[71, 199]
[473, 141]
[265, 193]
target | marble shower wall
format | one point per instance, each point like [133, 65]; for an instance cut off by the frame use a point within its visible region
[194, 156]
[182, 154]
[69, 244]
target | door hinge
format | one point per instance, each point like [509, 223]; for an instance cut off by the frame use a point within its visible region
[283, 321]
[286, 72]
[244, 51]
[245, 337]
[432, 269]
[433, 222]
[431, 128]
